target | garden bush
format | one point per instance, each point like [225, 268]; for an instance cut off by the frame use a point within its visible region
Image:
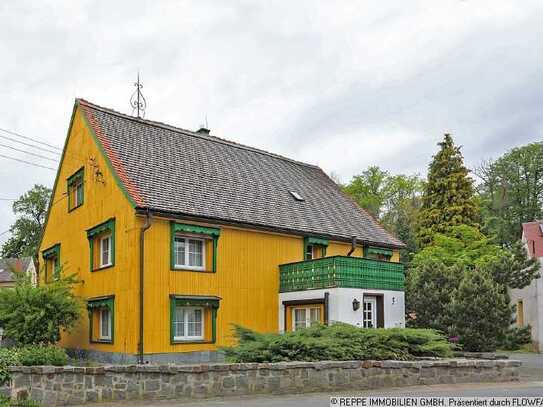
[337, 342]
[31, 355]
[515, 337]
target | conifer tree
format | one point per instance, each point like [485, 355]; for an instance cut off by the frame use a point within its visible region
[448, 198]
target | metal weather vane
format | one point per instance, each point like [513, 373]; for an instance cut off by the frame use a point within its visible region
[137, 101]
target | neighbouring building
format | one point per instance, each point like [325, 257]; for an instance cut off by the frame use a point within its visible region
[176, 235]
[528, 301]
[11, 266]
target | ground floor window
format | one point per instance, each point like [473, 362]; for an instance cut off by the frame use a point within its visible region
[193, 318]
[101, 319]
[305, 317]
[188, 323]
[520, 313]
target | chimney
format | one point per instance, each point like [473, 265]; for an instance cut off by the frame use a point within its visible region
[203, 130]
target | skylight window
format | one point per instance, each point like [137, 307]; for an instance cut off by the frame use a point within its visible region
[297, 196]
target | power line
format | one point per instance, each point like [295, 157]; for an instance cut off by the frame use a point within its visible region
[30, 138]
[4, 232]
[29, 145]
[27, 162]
[8, 199]
[28, 152]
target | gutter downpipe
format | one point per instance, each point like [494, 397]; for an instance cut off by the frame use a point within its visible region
[353, 246]
[145, 226]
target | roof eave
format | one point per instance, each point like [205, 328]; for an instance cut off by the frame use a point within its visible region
[247, 225]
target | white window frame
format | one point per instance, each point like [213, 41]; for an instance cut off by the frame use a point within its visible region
[107, 335]
[187, 239]
[310, 250]
[307, 316]
[186, 337]
[109, 262]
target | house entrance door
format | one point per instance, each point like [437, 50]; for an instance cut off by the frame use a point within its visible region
[369, 312]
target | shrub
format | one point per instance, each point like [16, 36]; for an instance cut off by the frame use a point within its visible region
[6, 402]
[515, 337]
[483, 311]
[30, 356]
[36, 315]
[42, 355]
[337, 342]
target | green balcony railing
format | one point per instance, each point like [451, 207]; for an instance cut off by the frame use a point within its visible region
[341, 271]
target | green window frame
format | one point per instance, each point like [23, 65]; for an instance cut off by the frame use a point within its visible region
[47, 255]
[209, 302]
[105, 227]
[372, 251]
[315, 241]
[96, 304]
[78, 178]
[182, 229]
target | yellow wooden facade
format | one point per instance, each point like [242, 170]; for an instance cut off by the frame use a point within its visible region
[246, 277]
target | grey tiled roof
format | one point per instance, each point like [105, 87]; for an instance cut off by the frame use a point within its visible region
[180, 172]
[11, 265]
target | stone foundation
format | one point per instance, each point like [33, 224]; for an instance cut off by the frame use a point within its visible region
[54, 386]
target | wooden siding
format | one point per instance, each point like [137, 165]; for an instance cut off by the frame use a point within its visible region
[103, 200]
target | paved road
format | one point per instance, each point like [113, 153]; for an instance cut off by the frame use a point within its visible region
[531, 384]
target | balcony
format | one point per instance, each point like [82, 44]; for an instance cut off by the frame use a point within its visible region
[341, 271]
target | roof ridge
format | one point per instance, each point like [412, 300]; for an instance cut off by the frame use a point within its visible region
[208, 137]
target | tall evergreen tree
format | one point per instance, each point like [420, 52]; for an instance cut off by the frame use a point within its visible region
[448, 198]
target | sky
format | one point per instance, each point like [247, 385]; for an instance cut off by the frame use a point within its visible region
[340, 84]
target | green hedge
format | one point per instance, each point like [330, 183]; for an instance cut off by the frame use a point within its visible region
[32, 355]
[337, 342]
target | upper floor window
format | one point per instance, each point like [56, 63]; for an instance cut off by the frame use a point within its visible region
[314, 247]
[378, 253]
[76, 190]
[105, 251]
[193, 247]
[51, 259]
[189, 253]
[102, 245]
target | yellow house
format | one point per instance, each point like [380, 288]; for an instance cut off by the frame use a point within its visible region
[176, 235]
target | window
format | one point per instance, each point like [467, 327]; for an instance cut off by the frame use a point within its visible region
[314, 247]
[188, 323]
[378, 253]
[105, 251]
[297, 196]
[76, 190]
[309, 252]
[193, 318]
[305, 317]
[101, 312]
[102, 245]
[51, 259]
[193, 247]
[520, 313]
[189, 253]
[369, 317]
[105, 324]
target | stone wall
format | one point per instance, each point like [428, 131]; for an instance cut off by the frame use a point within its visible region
[55, 386]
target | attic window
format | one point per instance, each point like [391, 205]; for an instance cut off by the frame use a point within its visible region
[297, 196]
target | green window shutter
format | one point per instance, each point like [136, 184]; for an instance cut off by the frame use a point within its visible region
[95, 304]
[180, 228]
[105, 227]
[210, 302]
